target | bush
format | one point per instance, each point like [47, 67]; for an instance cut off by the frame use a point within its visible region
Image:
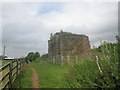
[98, 71]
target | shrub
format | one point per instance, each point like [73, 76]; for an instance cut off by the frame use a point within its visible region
[96, 72]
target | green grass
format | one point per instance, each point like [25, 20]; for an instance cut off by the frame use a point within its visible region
[4, 62]
[50, 75]
[81, 74]
[24, 79]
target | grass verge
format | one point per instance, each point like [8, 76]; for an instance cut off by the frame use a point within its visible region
[24, 78]
[50, 75]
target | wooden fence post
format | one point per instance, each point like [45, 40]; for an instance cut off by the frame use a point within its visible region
[17, 67]
[14, 65]
[10, 75]
[20, 64]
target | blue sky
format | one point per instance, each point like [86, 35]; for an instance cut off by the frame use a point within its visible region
[50, 7]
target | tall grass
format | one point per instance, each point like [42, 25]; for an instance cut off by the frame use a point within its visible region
[24, 78]
[100, 71]
[50, 75]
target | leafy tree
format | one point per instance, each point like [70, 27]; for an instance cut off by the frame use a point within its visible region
[32, 56]
[44, 56]
[36, 55]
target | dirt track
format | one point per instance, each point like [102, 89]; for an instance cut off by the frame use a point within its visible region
[34, 78]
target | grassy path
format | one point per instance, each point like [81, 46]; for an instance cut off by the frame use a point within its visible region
[50, 75]
[34, 78]
[42, 75]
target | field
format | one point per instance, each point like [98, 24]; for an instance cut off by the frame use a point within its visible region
[3, 62]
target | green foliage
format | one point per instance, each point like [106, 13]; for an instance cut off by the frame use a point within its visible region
[32, 56]
[109, 46]
[109, 65]
[81, 74]
[87, 72]
[44, 57]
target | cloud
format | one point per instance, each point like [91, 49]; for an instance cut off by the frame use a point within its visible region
[27, 26]
[0, 28]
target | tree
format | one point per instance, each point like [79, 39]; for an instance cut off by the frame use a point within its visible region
[36, 55]
[32, 56]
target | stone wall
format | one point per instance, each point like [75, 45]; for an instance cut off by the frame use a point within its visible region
[64, 44]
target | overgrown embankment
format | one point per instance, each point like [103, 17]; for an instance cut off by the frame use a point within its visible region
[99, 71]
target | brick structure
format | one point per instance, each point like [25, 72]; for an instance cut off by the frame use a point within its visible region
[62, 45]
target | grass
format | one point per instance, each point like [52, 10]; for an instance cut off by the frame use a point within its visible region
[81, 74]
[4, 62]
[50, 75]
[24, 78]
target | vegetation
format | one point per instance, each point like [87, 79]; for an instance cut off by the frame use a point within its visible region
[32, 56]
[24, 78]
[100, 71]
[44, 57]
[50, 75]
[4, 62]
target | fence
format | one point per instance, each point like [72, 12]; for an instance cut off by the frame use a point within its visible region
[9, 72]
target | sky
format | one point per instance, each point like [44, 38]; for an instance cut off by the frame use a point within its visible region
[26, 26]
